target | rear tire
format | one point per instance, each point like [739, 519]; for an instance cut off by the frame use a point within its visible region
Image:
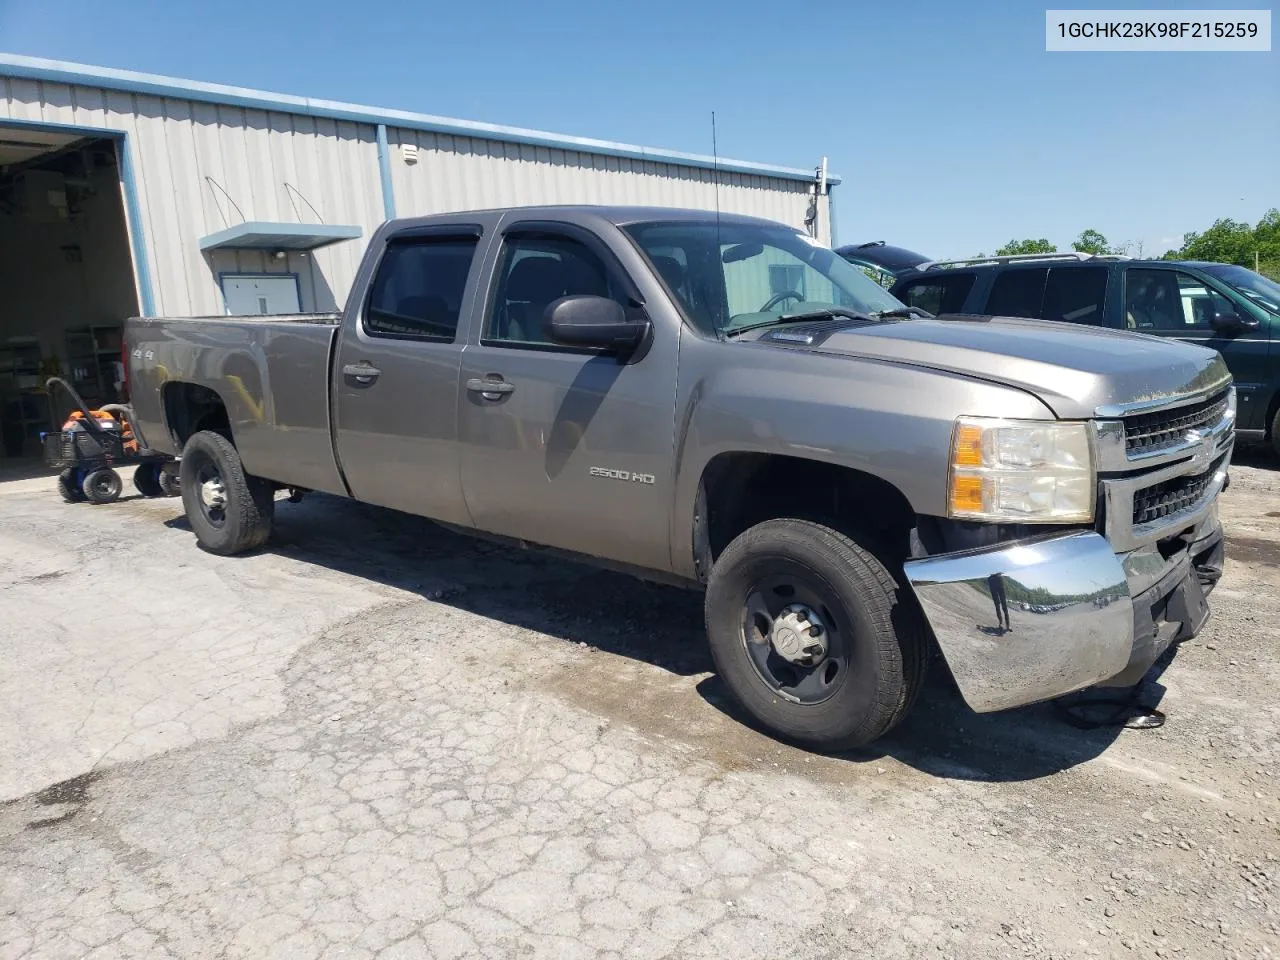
[146, 480]
[229, 510]
[102, 486]
[1275, 433]
[874, 646]
[69, 487]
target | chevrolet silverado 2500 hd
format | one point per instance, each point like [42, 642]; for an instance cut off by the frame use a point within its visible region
[723, 402]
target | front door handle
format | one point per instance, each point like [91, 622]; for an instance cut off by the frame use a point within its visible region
[490, 388]
[361, 373]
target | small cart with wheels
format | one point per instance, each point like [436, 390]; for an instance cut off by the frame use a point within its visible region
[93, 445]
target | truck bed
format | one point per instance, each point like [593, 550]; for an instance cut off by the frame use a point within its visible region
[272, 374]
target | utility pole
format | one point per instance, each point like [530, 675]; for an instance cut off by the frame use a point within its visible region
[1255, 262]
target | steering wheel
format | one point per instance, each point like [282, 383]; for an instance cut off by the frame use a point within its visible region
[777, 298]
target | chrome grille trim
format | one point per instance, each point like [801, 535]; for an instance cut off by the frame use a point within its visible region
[1120, 495]
[1150, 434]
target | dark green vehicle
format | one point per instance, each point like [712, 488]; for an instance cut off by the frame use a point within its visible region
[1224, 307]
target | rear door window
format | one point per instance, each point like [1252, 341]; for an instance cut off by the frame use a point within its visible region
[1075, 295]
[417, 291]
[1017, 293]
[945, 293]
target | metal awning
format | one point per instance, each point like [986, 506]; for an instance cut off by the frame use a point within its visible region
[260, 235]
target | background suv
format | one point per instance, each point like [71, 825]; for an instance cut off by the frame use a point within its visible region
[1221, 306]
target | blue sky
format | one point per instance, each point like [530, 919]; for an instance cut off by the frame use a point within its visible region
[953, 128]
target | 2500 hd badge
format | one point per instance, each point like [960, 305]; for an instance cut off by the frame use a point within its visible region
[622, 475]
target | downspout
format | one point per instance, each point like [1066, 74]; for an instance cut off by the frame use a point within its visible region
[823, 191]
[831, 217]
[384, 174]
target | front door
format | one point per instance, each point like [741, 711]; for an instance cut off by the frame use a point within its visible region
[1173, 303]
[395, 379]
[566, 447]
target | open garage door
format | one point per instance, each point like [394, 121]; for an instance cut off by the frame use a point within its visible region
[66, 276]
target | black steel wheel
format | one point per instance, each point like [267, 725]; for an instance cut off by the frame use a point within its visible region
[810, 634]
[69, 486]
[101, 486]
[146, 480]
[229, 510]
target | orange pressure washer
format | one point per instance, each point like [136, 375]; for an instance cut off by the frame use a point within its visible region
[93, 443]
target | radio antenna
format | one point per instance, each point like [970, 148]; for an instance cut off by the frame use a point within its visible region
[715, 173]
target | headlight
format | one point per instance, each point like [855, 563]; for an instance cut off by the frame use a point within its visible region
[1231, 401]
[1021, 471]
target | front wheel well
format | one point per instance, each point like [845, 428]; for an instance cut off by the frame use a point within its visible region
[740, 490]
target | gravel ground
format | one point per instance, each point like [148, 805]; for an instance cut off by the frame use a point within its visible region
[379, 739]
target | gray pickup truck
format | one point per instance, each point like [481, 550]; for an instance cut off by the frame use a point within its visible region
[721, 402]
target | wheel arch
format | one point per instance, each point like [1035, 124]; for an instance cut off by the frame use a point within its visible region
[189, 408]
[739, 489]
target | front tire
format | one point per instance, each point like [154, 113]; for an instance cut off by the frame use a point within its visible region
[809, 634]
[1275, 433]
[229, 510]
[101, 486]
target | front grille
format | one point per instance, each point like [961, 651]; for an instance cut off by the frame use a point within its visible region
[1172, 496]
[1146, 433]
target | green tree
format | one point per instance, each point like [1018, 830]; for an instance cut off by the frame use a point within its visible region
[1016, 247]
[1230, 241]
[1091, 241]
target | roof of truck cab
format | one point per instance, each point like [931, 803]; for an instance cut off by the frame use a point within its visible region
[615, 214]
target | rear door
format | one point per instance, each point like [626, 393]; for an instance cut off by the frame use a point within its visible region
[563, 446]
[1076, 294]
[1178, 304]
[395, 379]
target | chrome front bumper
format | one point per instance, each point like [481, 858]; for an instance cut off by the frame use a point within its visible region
[1036, 619]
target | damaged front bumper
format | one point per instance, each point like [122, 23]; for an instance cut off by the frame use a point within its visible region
[1036, 619]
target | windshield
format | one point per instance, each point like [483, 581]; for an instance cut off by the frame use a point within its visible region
[732, 275]
[1255, 286]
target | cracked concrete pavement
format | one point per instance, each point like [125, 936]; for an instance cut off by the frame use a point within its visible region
[380, 739]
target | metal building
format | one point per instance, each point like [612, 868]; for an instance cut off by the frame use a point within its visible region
[124, 193]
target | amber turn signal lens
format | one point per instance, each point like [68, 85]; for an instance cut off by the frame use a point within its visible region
[966, 494]
[968, 452]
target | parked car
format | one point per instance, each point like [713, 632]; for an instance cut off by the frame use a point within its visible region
[723, 403]
[883, 263]
[1221, 306]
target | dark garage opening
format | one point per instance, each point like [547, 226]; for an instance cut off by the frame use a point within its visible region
[66, 277]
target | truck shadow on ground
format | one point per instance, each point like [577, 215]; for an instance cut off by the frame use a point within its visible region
[661, 626]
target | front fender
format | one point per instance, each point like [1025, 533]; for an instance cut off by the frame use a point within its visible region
[891, 421]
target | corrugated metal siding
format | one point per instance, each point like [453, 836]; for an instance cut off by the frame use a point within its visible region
[262, 164]
[200, 167]
[462, 173]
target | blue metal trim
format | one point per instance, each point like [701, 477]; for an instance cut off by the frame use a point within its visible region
[384, 174]
[236, 237]
[129, 185]
[222, 274]
[56, 71]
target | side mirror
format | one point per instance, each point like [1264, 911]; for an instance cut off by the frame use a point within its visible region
[589, 321]
[1231, 322]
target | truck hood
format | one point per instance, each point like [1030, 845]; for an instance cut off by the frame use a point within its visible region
[1077, 371]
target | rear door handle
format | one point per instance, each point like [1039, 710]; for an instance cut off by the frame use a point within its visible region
[490, 389]
[364, 373]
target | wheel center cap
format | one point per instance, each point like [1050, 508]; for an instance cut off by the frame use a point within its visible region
[213, 494]
[798, 636]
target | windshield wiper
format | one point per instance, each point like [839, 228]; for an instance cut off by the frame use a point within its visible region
[823, 314]
[903, 312]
